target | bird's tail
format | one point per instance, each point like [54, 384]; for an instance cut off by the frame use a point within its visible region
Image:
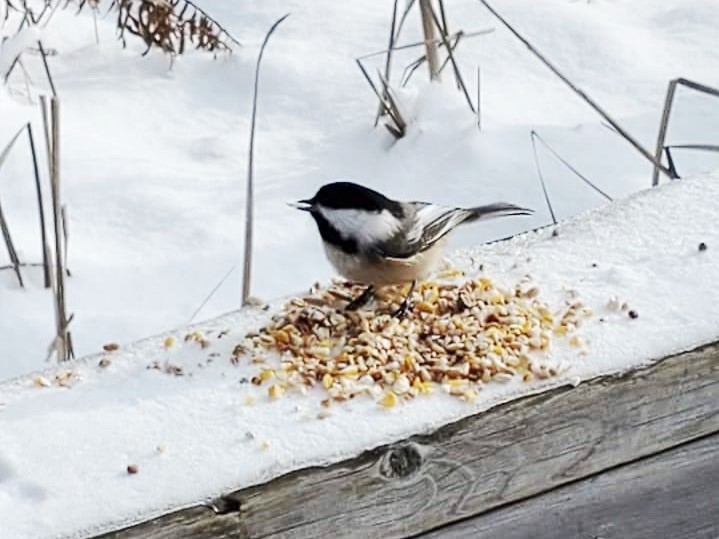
[498, 209]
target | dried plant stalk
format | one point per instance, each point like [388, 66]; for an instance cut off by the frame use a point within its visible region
[388, 58]
[457, 73]
[4, 227]
[569, 166]
[40, 207]
[12, 253]
[249, 201]
[629, 138]
[430, 44]
[63, 339]
[479, 98]
[664, 123]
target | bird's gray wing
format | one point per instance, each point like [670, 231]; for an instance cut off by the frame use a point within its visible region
[426, 224]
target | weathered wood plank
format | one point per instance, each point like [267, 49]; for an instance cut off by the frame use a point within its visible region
[508, 453]
[199, 522]
[673, 494]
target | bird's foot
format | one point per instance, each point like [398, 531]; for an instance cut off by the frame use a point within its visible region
[361, 300]
[406, 303]
[403, 309]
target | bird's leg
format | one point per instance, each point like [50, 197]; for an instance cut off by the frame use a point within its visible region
[399, 313]
[361, 300]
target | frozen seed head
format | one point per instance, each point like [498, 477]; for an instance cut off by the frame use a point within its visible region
[461, 333]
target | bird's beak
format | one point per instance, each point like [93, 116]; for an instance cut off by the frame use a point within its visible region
[303, 205]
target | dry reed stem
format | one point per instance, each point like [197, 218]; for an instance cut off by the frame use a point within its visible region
[40, 206]
[629, 138]
[249, 201]
[664, 123]
[457, 73]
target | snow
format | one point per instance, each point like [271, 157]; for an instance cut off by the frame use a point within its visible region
[64, 451]
[154, 160]
[153, 169]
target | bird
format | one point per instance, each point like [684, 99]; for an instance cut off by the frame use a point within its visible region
[377, 241]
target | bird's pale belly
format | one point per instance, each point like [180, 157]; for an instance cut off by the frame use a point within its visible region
[386, 271]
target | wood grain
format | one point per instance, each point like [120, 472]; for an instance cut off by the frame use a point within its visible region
[673, 494]
[508, 453]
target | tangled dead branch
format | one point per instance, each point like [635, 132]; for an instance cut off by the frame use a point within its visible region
[171, 25]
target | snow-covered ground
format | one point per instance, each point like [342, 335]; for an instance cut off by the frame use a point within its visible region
[154, 160]
[153, 167]
[64, 451]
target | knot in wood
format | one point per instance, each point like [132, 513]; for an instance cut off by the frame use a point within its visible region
[401, 461]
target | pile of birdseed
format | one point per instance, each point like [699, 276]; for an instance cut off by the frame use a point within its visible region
[458, 335]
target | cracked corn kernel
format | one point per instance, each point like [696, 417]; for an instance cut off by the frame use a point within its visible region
[266, 374]
[425, 307]
[275, 391]
[453, 330]
[41, 381]
[389, 400]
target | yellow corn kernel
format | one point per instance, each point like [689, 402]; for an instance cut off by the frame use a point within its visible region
[275, 391]
[327, 381]
[409, 363]
[169, 342]
[266, 374]
[281, 336]
[388, 401]
[425, 307]
[350, 370]
[420, 386]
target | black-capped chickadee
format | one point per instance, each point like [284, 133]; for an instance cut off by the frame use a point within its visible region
[377, 241]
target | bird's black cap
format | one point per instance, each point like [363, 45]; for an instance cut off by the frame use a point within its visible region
[351, 196]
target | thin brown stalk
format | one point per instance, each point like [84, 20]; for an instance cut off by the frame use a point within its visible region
[401, 125]
[569, 166]
[629, 138]
[65, 237]
[388, 58]
[427, 14]
[249, 200]
[63, 341]
[457, 73]
[453, 47]
[437, 41]
[387, 106]
[12, 253]
[403, 18]
[40, 207]
[47, 68]
[479, 98]
[4, 227]
[94, 23]
[664, 123]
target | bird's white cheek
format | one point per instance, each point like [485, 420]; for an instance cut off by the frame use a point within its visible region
[366, 228]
